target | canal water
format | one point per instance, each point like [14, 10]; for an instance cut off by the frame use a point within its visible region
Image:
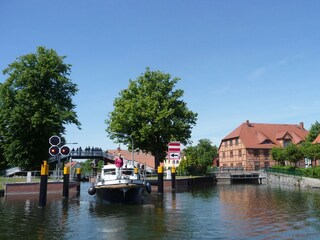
[217, 212]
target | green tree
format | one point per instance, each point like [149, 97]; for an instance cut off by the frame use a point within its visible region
[293, 154]
[3, 163]
[278, 155]
[313, 132]
[35, 103]
[311, 151]
[87, 167]
[151, 113]
[200, 157]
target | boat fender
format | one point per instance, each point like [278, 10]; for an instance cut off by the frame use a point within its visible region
[148, 187]
[92, 190]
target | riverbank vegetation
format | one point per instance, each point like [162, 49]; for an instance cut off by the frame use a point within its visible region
[198, 159]
[313, 172]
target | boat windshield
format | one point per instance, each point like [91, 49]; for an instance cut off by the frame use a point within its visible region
[109, 171]
[127, 172]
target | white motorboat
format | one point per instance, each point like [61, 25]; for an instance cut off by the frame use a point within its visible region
[120, 183]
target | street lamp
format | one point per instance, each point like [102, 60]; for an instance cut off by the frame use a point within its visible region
[132, 150]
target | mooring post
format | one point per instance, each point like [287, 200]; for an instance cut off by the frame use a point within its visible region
[43, 184]
[66, 177]
[173, 178]
[78, 179]
[160, 179]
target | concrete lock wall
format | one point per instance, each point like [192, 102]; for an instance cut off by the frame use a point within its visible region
[293, 180]
[34, 188]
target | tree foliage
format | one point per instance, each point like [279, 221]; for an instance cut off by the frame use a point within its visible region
[151, 113]
[293, 153]
[86, 167]
[198, 158]
[311, 151]
[278, 155]
[35, 103]
[313, 132]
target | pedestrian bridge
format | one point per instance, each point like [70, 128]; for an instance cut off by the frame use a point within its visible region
[96, 154]
[80, 154]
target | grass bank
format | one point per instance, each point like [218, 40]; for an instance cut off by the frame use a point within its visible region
[5, 180]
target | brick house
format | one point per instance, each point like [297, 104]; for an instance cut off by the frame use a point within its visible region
[139, 156]
[249, 145]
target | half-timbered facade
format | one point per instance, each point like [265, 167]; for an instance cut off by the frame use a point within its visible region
[249, 145]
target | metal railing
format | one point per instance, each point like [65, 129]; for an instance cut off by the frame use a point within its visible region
[32, 176]
[292, 172]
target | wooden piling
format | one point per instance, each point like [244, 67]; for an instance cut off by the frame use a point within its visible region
[160, 179]
[173, 178]
[78, 179]
[66, 179]
[43, 184]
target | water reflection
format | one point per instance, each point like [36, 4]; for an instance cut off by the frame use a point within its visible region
[218, 212]
[270, 211]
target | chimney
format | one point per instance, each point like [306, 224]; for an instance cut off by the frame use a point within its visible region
[248, 123]
[301, 125]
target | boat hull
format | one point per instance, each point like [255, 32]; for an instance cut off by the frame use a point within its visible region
[121, 194]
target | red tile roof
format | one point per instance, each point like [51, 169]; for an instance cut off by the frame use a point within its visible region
[317, 140]
[139, 156]
[253, 135]
[73, 163]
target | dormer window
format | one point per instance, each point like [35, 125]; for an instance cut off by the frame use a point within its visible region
[286, 142]
[267, 141]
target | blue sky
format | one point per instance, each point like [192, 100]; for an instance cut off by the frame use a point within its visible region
[238, 60]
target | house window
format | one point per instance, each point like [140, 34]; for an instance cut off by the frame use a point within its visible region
[286, 142]
[240, 153]
[223, 155]
[231, 154]
[266, 153]
[230, 142]
[256, 152]
[225, 143]
[237, 140]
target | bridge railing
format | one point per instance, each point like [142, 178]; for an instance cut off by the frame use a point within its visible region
[83, 154]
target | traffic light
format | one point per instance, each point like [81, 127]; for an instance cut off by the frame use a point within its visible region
[54, 150]
[54, 140]
[64, 150]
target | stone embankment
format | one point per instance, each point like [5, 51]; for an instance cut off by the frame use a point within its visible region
[290, 180]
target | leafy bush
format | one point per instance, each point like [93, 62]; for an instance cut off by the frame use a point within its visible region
[313, 172]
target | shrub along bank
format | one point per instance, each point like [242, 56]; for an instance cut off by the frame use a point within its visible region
[312, 172]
